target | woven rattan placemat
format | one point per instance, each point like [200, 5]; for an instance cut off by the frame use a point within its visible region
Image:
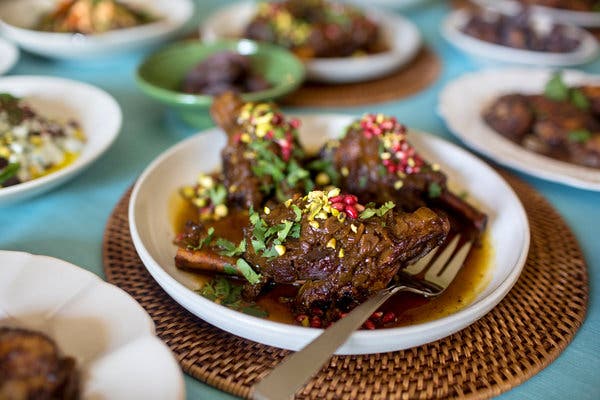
[518, 338]
[412, 78]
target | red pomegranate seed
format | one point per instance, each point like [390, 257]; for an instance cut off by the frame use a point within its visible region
[315, 322]
[336, 199]
[377, 315]
[369, 324]
[338, 206]
[388, 317]
[351, 212]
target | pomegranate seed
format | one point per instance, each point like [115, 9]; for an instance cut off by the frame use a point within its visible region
[388, 317]
[377, 315]
[351, 212]
[350, 200]
[336, 199]
[338, 206]
[295, 123]
[369, 324]
[315, 322]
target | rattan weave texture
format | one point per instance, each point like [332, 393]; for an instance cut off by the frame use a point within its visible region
[421, 72]
[523, 334]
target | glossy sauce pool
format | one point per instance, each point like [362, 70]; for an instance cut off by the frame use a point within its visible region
[409, 308]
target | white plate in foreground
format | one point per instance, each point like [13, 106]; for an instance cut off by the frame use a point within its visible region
[462, 101]
[107, 332]
[18, 18]
[152, 233]
[9, 55]
[452, 32]
[580, 18]
[401, 36]
[96, 111]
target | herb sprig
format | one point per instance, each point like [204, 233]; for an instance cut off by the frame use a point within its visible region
[557, 89]
[369, 211]
[222, 291]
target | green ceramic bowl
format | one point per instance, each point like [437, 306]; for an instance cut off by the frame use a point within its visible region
[160, 76]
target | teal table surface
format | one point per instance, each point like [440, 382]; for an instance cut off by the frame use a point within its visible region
[69, 222]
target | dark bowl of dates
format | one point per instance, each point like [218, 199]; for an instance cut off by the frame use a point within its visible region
[186, 76]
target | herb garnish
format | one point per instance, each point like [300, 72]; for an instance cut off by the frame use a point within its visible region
[204, 241]
[556, 89]
[10, 104]
[229, 249]
[9, 171]
[222, 291]
[579, 136]
[435, 190]
[369, 211]
[268, 239]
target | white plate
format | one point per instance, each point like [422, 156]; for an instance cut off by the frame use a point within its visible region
[9, 55]
[396, 4]
[587, 19]
[462, 101]
[455, 21]
[18, 17]
[401, 35]
[111, 337]
[152, 233]
[63, 99]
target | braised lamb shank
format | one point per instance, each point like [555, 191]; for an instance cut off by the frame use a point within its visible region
[375, 161]
[334, 248]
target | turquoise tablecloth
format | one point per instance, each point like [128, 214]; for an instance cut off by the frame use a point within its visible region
[69, 222]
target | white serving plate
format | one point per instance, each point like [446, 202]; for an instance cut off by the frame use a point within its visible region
[62, 99]
[586, 19]
[108, 333]
[462, 101]
[9, 55]
[395, 4]
[455, 21]
[401, 35]
[18, 17]
[152, 233]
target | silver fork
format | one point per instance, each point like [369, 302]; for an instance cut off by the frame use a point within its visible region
[428, 277]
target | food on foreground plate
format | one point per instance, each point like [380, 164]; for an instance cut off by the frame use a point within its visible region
[325, 231]
[562, 123]
[224, 71]
[521, 31]
[31, 367]
[32, 145]
[315, 28]
[92, 16]
[573, 5]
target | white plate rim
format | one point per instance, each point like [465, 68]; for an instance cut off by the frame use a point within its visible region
[361, 342]
[155, 346]
[469, 127]
[108, 42]
[581, 18]
[405, 39]
[9, 55]
[585, 52]
[88, 154]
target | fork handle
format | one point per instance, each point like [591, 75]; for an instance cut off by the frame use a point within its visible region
[299, 367]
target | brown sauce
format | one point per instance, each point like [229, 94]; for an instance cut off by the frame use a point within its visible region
[410, 309]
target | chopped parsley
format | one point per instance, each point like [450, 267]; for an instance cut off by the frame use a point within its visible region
[556, 89]
[380, 212]
[266, 239]
[222, 291]
[229, 249]
[204, 241]
[435, 190]
[8, 172]
[579, 136]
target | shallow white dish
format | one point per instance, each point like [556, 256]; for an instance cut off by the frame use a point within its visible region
[587, 19]
[152, 233]
[9, 55]
[462, 101]
[401, 35]
[18, 17]
[452, 32]
[97, 112]
[108, 333]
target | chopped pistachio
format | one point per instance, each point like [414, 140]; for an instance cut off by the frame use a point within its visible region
[331, 243]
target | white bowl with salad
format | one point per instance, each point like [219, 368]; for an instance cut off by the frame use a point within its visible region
[46, 137]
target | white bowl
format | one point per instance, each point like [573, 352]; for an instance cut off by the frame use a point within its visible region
[395, 4]
[152, 233]
[63, 99]
[18, 18]
[110, 336]
[401, 35]
[452, 32]
[462, 101]
[9, 55]
[579, 18]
